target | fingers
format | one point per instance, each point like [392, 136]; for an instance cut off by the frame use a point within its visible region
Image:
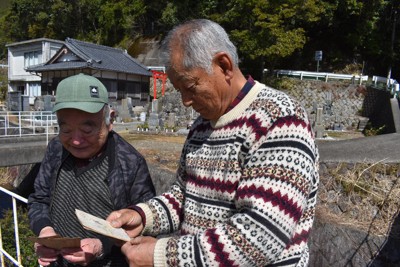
[45, 255]
[140, 251]
[136, 240]
[46, 261]
[45, 252]
[47, 231]
[124, 217]
[90, 248]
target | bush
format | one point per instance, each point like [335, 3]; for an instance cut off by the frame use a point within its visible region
[373, 131]
[28, 255]
[3, 84]
[286, 84]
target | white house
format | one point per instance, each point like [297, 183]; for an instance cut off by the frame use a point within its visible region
[123, 76]
[22, 55]
[37, 66]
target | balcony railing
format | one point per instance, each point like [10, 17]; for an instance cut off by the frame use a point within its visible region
[25, 123]
[16, 259]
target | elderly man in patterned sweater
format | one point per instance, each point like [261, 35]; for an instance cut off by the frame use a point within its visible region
[245, 190]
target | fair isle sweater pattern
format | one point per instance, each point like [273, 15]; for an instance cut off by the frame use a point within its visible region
[246, 189]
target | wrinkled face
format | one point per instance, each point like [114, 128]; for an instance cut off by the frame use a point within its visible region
[82, 134]
[208, 94]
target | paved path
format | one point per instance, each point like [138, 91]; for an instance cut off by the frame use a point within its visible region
[384, 148]
[372, 149]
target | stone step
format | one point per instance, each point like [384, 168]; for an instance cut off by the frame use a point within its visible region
[362, 123]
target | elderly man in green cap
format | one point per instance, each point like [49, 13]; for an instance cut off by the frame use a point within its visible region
[87, 167]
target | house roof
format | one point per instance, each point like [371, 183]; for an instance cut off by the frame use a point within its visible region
[88, 55]
[38, 40]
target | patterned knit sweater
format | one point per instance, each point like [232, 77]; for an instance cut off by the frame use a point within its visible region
[246, 189]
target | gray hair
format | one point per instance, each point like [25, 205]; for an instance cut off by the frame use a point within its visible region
[200, 40]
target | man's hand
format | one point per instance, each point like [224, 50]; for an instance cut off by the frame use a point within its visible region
[90, 249]
[140, 251]
[46, 255]
[128, 219]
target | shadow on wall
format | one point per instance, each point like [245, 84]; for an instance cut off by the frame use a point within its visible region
[389, 253]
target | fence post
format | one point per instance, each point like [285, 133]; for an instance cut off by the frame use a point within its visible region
[20, 123]
[1, 250]
[16, 230]
[6, 123]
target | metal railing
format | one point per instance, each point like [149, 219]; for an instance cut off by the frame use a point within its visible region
[19, 124]
[384, 83]
[18, 260]
[322, 75]
[25, 123]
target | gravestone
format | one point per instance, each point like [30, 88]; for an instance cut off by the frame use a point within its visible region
[318, 125]
[47, 105]
[38, 104]
[171, 120]
[156, 106]
[154, 116]
[154, 121]
[124, 111]
[337, 126]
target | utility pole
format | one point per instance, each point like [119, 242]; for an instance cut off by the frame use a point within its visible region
[394, 13]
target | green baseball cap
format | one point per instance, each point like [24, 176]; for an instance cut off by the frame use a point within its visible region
[82, 92]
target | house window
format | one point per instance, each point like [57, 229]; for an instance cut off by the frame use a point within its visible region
[33, 58]
[21, 89]
[34, 89]
[133, 90]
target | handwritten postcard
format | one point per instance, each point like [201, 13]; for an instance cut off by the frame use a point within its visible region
[100, 226]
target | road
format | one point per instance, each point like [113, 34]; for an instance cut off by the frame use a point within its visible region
[381, 148]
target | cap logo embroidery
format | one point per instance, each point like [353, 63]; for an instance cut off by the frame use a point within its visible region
[94, 91]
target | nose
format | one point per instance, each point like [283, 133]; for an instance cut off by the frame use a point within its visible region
[76, 138]
[187, 100]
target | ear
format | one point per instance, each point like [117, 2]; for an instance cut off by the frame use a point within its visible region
[112, 119]
[224, 62]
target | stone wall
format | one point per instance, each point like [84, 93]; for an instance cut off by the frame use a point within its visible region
[377, 108]
[356, 211]
[342, 102]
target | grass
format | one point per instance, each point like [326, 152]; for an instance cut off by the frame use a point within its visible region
[341, 135]
[163, 150]
[6, 178]
[362, 195]
[158, 138]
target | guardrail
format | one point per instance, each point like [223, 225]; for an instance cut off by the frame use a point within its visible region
[17, 261]
[322, 75]
[23, 123]
[385, 83]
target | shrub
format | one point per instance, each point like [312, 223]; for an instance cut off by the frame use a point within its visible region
[373, 131]
[28, 255]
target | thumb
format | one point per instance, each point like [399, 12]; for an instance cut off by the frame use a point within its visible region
[137, 240]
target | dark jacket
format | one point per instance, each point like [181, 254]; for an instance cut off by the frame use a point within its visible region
[129, 181]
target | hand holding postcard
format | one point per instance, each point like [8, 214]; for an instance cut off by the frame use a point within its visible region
[100, 226]
[57, 242]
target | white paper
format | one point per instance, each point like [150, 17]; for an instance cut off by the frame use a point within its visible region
[100, 226]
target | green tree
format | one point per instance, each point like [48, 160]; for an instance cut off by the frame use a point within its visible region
[3, 84]
[270, 30]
